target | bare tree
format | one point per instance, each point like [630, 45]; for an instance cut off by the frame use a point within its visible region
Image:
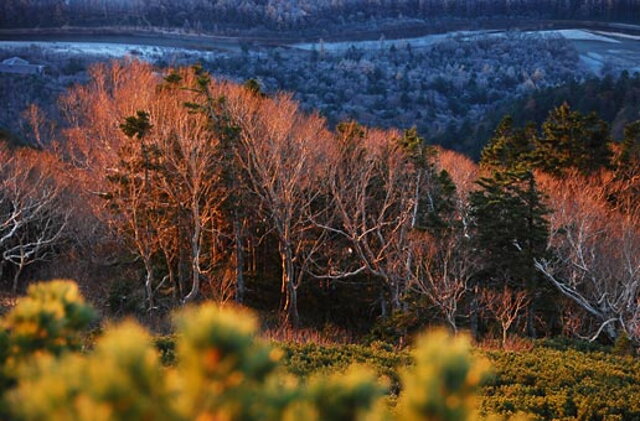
[284, 159]
[443, 269]
[505, 306]
[374, 193]
[595, 253]
[33, 218]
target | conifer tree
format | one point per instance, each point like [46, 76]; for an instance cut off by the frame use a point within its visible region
[509, 146]
[572, 140]
[629, 158]
[511, 227]
[130, 193]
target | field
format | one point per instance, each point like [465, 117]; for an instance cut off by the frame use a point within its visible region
[554, 379]
[550, 381]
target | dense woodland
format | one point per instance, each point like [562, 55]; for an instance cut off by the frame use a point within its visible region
[293, 14]
[163, 187]
[614, 99]
[449, 91]
[458, 79]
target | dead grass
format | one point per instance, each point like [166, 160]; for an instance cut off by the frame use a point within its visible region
[514, 343]
[330, 335]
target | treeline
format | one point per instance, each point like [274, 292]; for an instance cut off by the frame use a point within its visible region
[614, 99]
[292, 14]
[185, 187]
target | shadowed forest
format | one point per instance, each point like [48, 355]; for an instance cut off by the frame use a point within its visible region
[283, 15]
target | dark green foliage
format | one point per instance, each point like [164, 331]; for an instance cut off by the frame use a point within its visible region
[616, 101]
[628, 161]
[253, 86]
[509, 147]
[562, 343]
[440, 217]
[137, 126]
[420, 153]
[9, 138]
[570, 139]
[623, 345]
[511, 229]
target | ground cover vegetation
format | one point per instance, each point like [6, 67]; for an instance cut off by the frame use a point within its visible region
[222, 371]
[215, 366]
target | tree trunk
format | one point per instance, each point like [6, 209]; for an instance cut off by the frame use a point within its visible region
[148, 282]
[288, 287]
[177, 293]
[504, 336]
[383, 305]
[531, 327]
[16, 277]
[451, 319]
[474, 322]
[195, 255]
[240, 286]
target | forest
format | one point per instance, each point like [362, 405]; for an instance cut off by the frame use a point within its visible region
[164, 187]
[449, 91]
[282, 15]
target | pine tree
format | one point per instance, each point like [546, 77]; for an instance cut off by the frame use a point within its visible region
[511, 229]
[626, 189]
[509, 146]
[437, 196]
[572, 140]
[629, 157]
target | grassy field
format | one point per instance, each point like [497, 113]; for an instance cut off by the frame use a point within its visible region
[555, 379]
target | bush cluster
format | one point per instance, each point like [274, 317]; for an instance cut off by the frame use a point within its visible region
[221, 371]
[557, 379]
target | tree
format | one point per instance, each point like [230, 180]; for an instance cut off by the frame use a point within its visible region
[593, 253]
[131, 194]
[505, 306]
[509, 147]
[34, 218]
[284, 158]
[511, 232]
[375, 187]
[511, 229]
[625, 188]
[572, 140]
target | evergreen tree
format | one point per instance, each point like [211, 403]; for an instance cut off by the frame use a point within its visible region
[511, 229]
[437, 196]
[629, 157]
[572, 140]
[509, 146]
[626, 190]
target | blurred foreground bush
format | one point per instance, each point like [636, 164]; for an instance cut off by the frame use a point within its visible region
[222, 372]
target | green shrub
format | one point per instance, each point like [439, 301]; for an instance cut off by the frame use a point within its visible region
[214, 368]
[221, 371]
[442, 385]
[623, 345]
[564, 385]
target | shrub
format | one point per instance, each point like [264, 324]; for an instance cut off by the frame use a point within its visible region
[222, 372]
[623, 345]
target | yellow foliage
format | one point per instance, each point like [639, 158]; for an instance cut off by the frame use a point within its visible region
[223, 372]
